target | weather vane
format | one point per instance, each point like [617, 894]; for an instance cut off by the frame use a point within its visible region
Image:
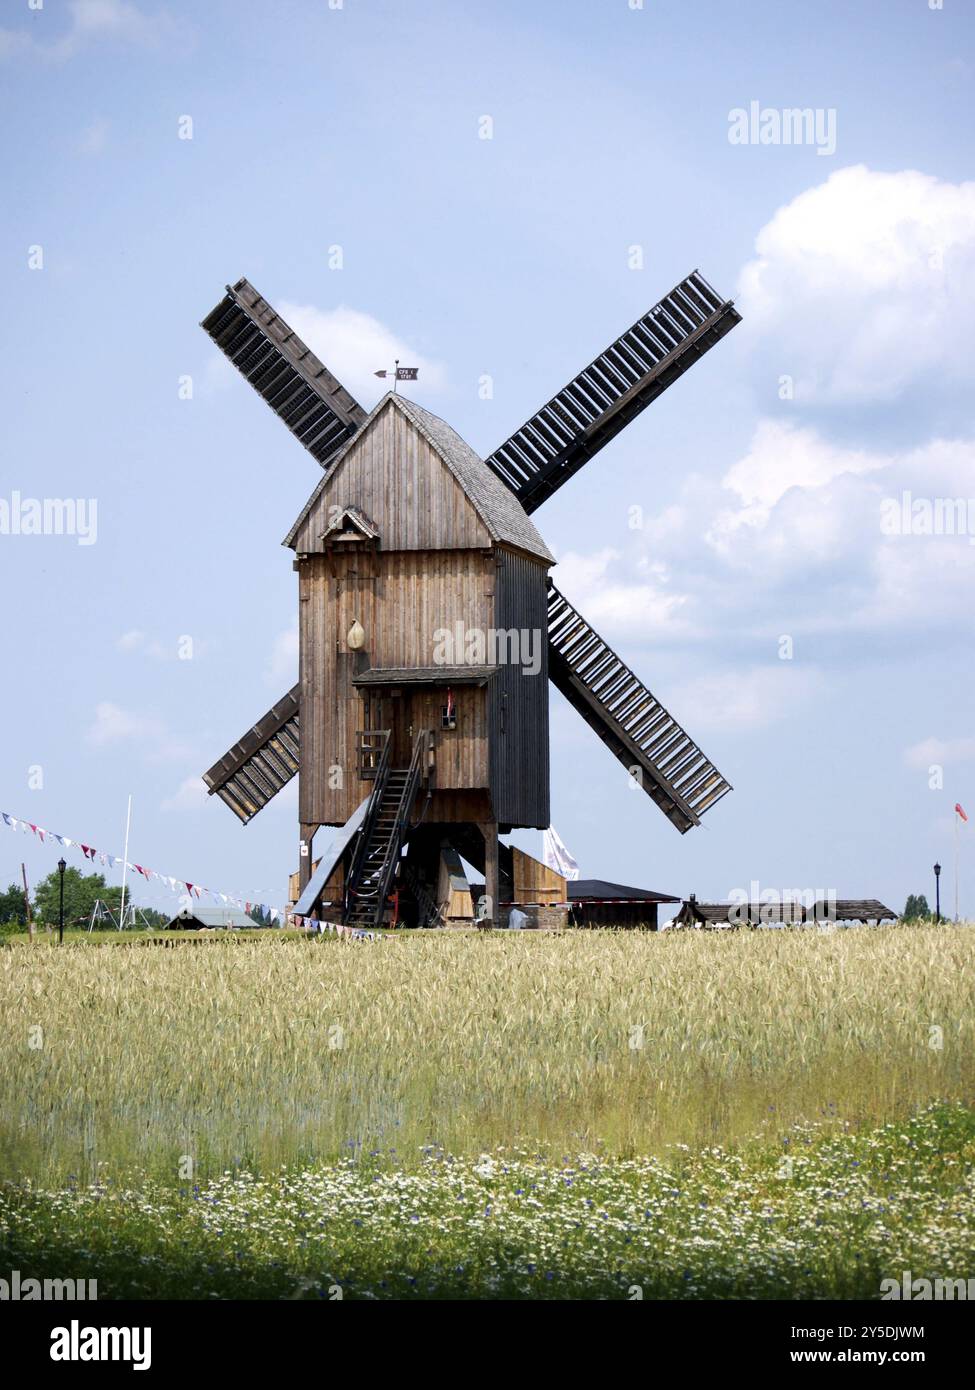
[399, 374]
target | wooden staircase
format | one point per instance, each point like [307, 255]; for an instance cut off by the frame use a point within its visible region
[383, 833]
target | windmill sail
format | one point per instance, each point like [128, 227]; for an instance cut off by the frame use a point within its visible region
[593, 408]
[301, 391]
[261, 763]
[616, 704]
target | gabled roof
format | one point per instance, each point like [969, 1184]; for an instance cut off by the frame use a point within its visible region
[352, 520]
[599, 890]
[505, 519]
[211, 917]
[760, 913]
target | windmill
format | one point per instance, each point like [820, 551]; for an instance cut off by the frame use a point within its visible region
[428, 621]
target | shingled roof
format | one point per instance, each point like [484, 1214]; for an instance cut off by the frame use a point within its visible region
[505, 518]
[694, 913]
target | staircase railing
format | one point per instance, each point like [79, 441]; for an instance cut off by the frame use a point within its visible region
[376, 745]
[401, 824]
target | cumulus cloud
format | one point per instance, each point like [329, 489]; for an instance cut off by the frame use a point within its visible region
[137, 641]
[114, 727]
[113, 724]
[796, 538]
[746, 698]
[94, 137]
[282, 666]
[354, 346]
[90, 22]
[612, 603]
[191, 795]
[938, 750]
[864, 286]
[783, 456]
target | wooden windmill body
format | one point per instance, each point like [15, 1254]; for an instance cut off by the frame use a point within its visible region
[429, 626]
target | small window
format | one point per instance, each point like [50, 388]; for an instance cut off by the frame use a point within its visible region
[448, 716]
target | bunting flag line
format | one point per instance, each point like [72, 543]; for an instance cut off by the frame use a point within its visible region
[175, 885]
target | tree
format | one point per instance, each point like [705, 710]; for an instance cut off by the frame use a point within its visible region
[81, 891]
[916, 906]
[12, 908]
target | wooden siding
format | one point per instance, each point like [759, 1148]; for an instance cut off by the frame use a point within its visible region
[401, 599]
[535, 882]
[518, 701]
[399, 481]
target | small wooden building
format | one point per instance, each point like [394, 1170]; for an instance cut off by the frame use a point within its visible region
[718, 916]
[210, 918]
[594, 902]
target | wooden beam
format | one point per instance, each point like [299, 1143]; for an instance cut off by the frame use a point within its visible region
[306, 834]
[489, 829]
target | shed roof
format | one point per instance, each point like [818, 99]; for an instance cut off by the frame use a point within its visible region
[599, 890]
[425, 675]
[840, 910]
[212, 917]
[504, 517]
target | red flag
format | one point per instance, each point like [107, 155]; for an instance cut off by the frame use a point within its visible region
[960, 811]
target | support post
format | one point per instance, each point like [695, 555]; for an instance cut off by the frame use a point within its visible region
[489, 829]
[306, 837]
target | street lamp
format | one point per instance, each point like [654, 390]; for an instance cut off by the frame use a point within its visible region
[937, 892]
[61, 868]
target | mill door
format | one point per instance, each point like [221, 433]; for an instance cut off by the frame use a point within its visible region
[400, 706]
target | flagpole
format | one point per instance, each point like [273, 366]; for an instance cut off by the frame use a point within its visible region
[125, 862]
[957, 819]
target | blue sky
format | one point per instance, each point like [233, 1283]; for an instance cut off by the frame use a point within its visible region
[358, 127]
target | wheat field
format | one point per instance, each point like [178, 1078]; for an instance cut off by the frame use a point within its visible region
[257, 1054]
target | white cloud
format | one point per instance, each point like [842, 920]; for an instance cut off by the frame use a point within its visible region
[282, 666]
[613, 604]
[746, 698]
[354, 346]
[94, 137]
[191, 795]
[936, 750]
[115, 726]
[783, 456]
[137, 641]
[218, 374]
[91, 21]
[795, 540]
[864, 285]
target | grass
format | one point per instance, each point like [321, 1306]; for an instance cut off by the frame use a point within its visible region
[819, 1215]
[334, 1103]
